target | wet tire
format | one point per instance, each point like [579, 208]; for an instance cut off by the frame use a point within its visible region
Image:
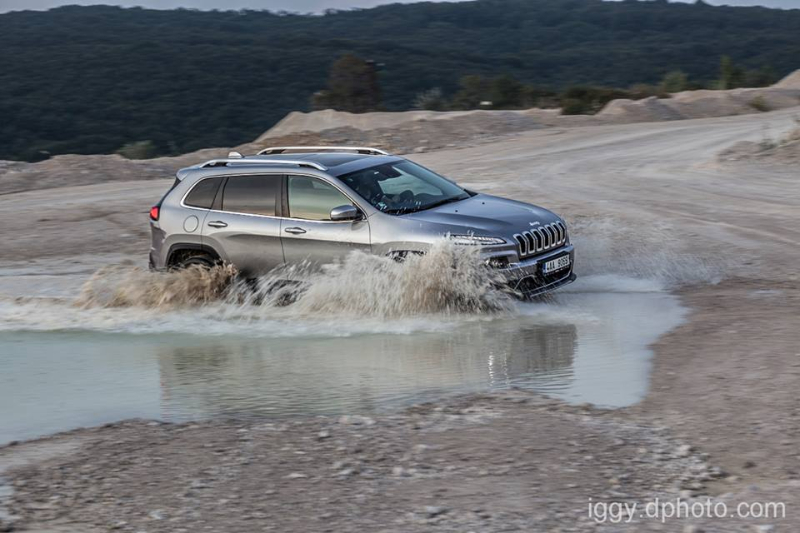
[197, 260]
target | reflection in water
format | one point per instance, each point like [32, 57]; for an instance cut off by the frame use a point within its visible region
[356, 374]
[583, 347]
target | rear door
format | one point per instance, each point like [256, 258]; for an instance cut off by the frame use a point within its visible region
[308, 233]
[243, 224]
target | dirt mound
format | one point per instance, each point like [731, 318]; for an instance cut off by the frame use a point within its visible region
[792, 81]
[700, 104]
[68, 170]
[74, 170]
[648, 110]
[420, 134]
[329, 119]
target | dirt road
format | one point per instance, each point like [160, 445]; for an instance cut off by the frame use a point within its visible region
[645, 199]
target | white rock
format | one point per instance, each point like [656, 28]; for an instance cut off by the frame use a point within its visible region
[764, 528]
[684, 450]
[434, 510]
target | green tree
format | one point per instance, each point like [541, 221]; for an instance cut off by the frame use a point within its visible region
[762, 77]
[352, 86]
[674, 81]
[730, 75]
[506, 92]
[473, 90]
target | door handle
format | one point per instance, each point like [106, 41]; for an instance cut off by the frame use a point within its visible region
[295, 231]
[217, 224]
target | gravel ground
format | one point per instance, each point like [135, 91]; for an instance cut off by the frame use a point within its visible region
[441, 466]
[722, 417]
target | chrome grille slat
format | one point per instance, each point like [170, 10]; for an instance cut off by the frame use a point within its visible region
[522, 243]
[551, 234]
[531, 242]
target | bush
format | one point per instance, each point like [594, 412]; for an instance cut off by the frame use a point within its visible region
[587, 100]
[675, 82]
[759, 104]
[138, 150]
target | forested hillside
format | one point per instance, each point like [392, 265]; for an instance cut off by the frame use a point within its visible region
[92, 79]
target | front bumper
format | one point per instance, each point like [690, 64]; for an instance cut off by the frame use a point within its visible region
[527, 279]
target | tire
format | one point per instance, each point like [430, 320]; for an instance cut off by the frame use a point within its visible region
[201, 260]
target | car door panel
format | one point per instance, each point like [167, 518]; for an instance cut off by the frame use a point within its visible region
[306, 236]
[244, 227]
[322, 241]
[251, 243]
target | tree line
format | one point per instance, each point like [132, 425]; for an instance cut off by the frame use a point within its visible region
[97, 79]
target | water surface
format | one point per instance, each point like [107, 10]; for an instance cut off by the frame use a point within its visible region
[64, 367]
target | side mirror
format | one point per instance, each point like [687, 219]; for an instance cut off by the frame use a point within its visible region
[345, 212]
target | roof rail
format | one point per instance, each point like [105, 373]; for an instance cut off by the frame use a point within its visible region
[246, 161]
[360, 149]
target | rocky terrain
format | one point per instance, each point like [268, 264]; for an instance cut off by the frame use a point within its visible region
[722, 418]
[408, 472]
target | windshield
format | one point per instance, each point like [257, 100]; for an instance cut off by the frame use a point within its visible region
[403, 187]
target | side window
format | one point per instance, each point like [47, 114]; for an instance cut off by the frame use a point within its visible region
[203, 193]
[313, 199]
[255, 195]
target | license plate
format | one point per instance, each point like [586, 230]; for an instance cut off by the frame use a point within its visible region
[559, 263]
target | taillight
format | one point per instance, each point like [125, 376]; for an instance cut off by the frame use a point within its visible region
[154, 212]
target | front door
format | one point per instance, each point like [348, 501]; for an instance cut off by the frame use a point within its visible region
[308, 233]
[243, 225]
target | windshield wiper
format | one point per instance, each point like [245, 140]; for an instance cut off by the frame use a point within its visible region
[439, 203]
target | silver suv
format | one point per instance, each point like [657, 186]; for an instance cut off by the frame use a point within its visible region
[289, 205]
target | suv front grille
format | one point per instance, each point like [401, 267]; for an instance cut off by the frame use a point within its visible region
[543, 238]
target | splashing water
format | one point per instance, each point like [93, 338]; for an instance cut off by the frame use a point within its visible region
[118, 286]
[448, 279]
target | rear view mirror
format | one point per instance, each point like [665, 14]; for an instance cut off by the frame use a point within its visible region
[345, 212]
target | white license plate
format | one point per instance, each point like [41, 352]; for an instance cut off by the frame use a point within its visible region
[558, 263]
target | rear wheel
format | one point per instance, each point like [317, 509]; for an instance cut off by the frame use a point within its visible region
[196, 259]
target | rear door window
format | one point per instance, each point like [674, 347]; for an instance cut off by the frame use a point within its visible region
[203, 193]
[252, 195]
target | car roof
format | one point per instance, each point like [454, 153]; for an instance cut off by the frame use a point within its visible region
[336, 163]
[332, 163]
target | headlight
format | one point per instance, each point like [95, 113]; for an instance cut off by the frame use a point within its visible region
[475, 240]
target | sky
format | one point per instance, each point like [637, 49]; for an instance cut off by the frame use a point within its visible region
[301, 6]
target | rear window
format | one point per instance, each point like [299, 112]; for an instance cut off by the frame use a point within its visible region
[203, 193]
[255, 195]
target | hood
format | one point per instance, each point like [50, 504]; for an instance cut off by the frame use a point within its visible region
[485, 215]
